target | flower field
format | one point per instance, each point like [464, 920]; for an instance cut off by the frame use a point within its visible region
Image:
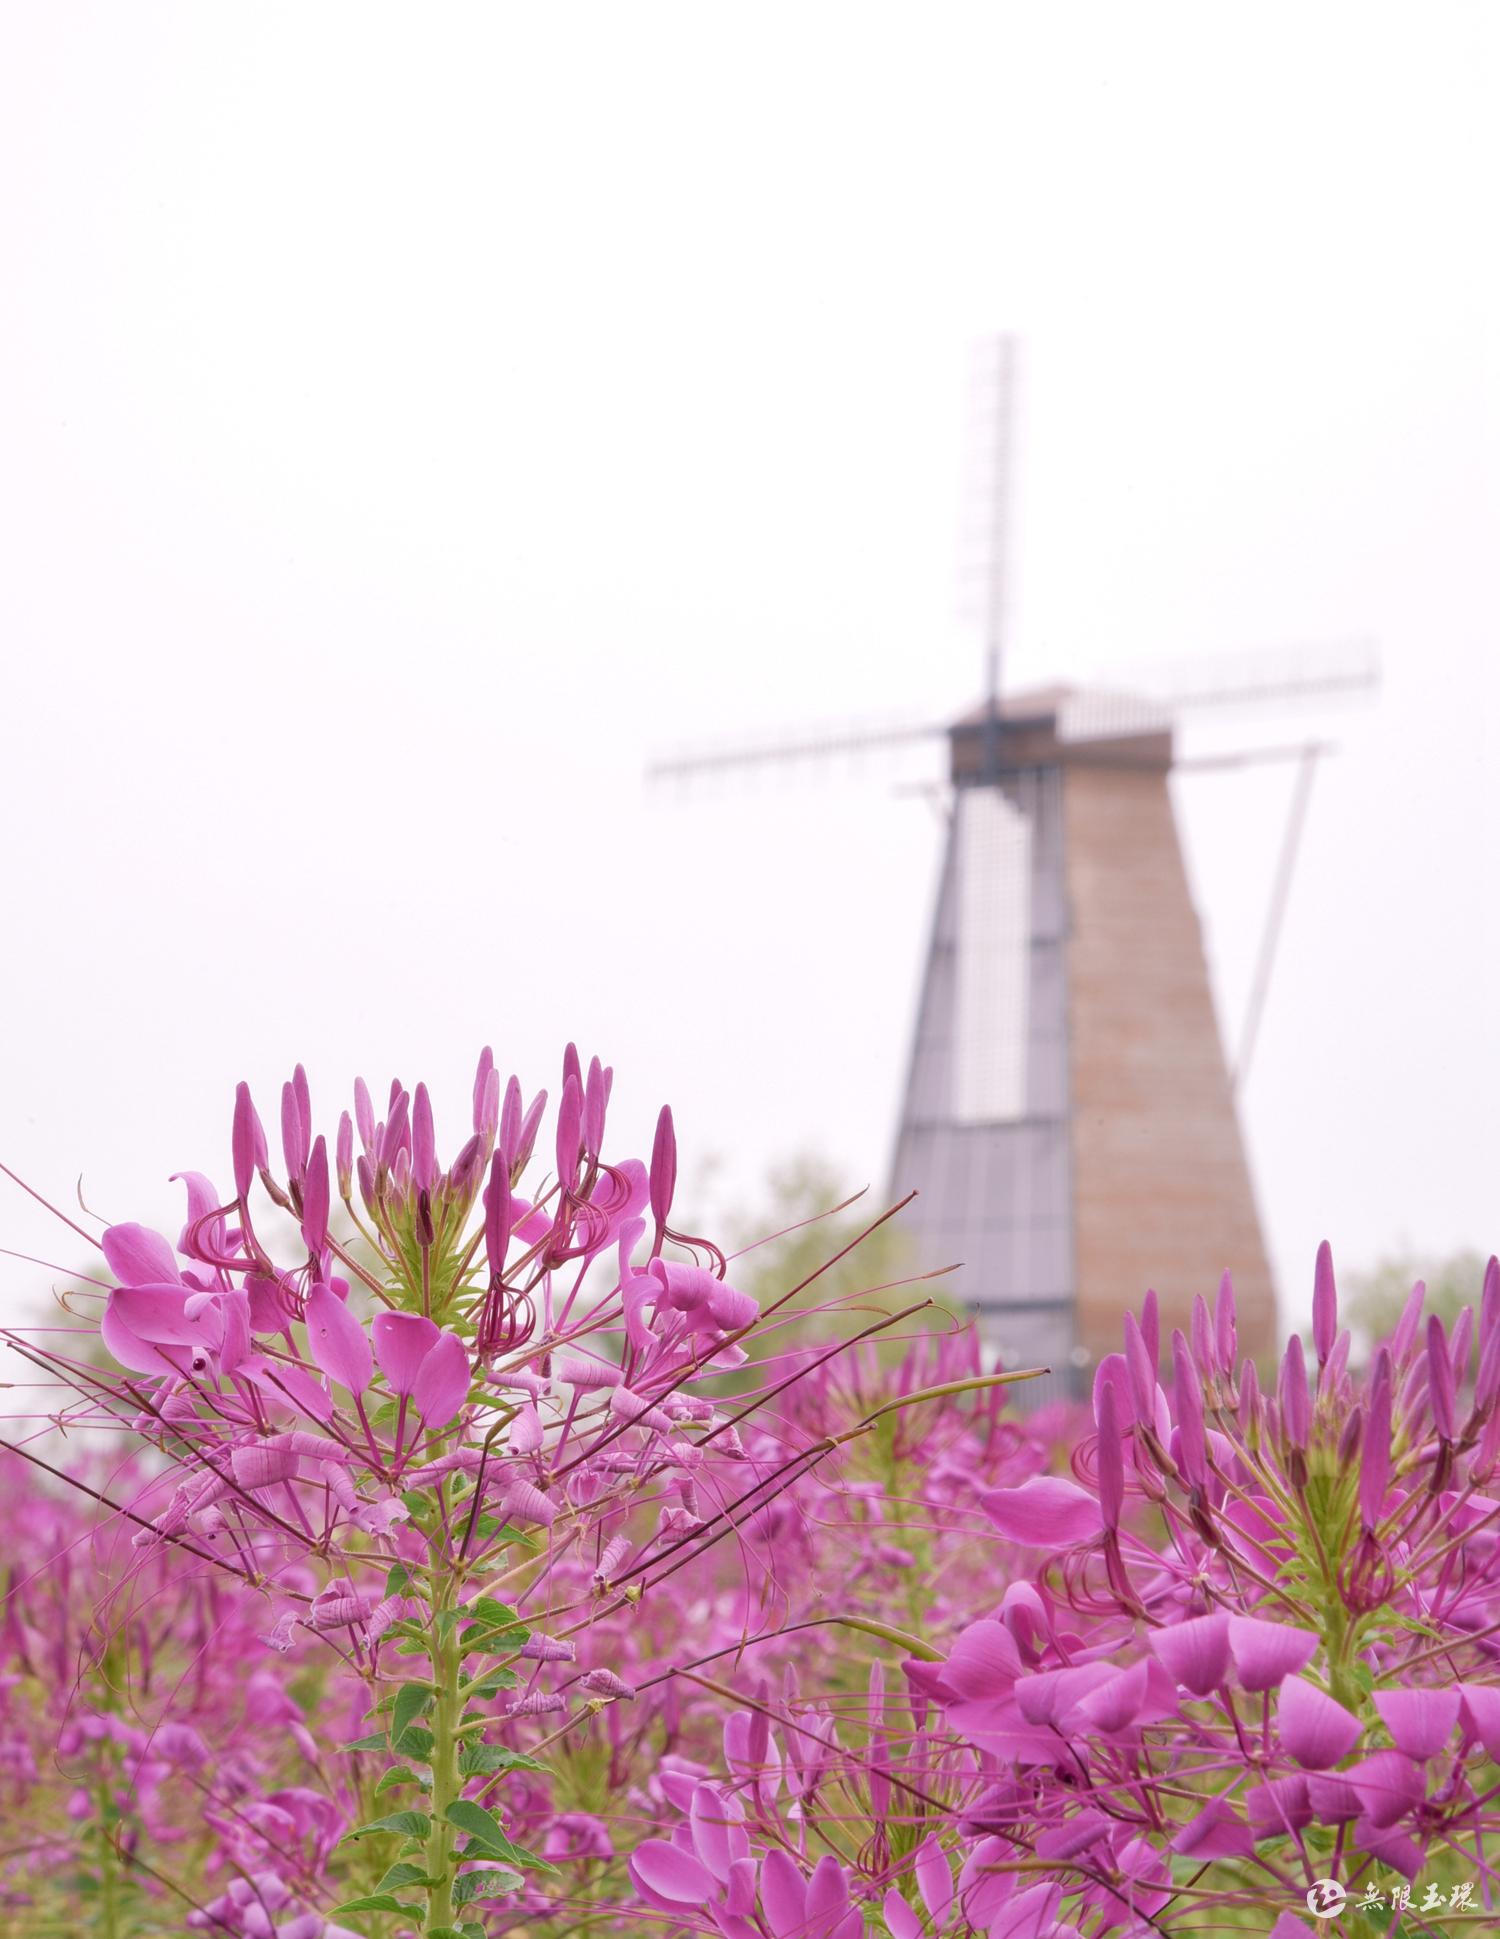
[438, 1538]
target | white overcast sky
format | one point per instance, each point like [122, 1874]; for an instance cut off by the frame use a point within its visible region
[413, 418]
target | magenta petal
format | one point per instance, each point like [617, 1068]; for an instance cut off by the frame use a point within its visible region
[139, 1257]
[710, 1820]
[934, 1880]
[1045, 1513]
[900, 1921]
[1195, 1652]
[1420, 1721]
[1214, 1832]
[1481, 1708]
[668, 1877]
[1265, 1654]
[1333, 1798]
[1315, 1730]
[402, 1342]
[1392, 1848]
[161, 1314]
[783, 1896]
[337, 1341]
[442, 1385]
[1389, 1785]
[1116, 1704]
[984, 1662]
[827, 1898]
[139, 1355]
[1278, 1806]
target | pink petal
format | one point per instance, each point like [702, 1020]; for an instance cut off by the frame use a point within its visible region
[1481, 1708]
[710, 1822]
[1389, 1786]
[1333, 1798]
[668, 1877]
[1314, 1729]
[1029, 1915]
[1045, 1513]
[1420, 1721]
[1214, 1832]
[1278, 1806]
[1195, 1652]
[260, 1464]
[827, 1898]
[1265, 1654]
[337, 1341]
[442, 1385]
[984, 1663]
[139, 1257]
[161, 1314]
[139, 1355]
[402, 1343]
[783, 1896]
[934, 1880]
[1116, 1704]
[900, 1921]
[1391, 1847]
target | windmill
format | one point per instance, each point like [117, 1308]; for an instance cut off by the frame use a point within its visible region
[1069, 1116]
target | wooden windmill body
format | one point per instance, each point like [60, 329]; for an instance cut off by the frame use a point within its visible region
[1069, 1119]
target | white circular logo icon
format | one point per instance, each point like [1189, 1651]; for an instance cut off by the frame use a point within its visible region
[1326, 1899]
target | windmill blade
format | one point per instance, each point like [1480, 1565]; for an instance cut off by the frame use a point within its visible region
[1280, 676]
[770, 754]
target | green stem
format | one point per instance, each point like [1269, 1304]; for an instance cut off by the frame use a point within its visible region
[446, 1743]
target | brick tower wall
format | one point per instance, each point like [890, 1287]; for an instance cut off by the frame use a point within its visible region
[1161, 1189]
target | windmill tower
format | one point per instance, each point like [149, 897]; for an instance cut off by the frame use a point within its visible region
[1069, 1117]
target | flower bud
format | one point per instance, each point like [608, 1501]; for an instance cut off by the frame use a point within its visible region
[1225, 1330]
[1325, 1304]
[663, 1166]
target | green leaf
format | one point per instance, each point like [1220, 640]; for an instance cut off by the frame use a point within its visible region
[410, 1824]
[403, 1874]
[497, 1614]
[399, 1579]
[479, 1823]
[397, 1774]
[487, 1838]
[490, 1683]
[372, 1902]
[412, 1701]
[415, 1742]
[479, 1760]
[375, 1741]
[497, 1884]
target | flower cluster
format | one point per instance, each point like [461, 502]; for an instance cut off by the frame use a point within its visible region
[497, 1564]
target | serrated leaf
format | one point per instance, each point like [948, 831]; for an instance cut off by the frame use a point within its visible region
[480, 1760]
[487, 1837]
[492, 1682]
[412, 1701]
[403, 1874]
[410, 1824]
[398, 1580]
[497, 1884]
[398, 1774]
[375, 1741]
[372, 1902]
[414, 1741]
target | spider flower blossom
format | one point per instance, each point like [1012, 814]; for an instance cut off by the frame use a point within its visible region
[1268, 1628]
